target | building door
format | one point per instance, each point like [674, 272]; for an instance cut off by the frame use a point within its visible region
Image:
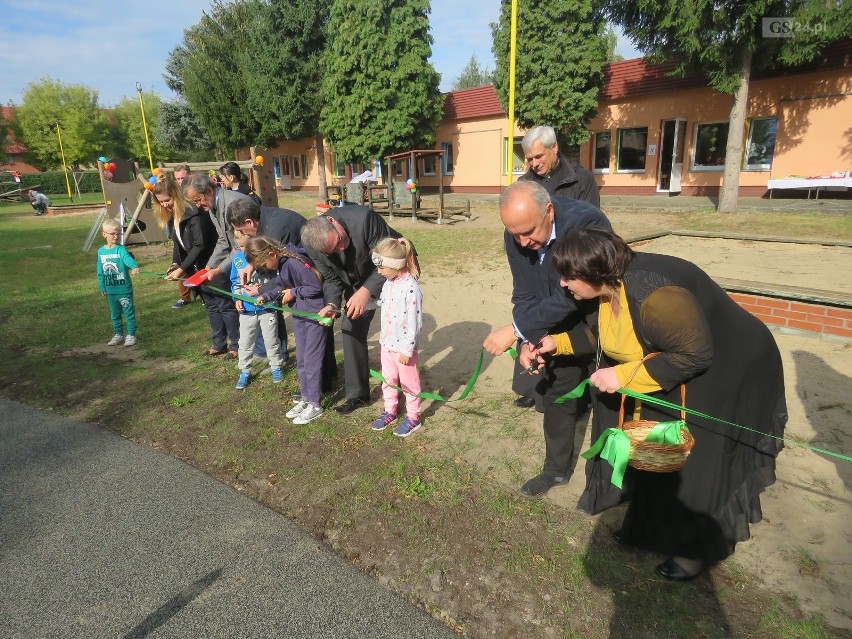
[672, 144]
[285, 173]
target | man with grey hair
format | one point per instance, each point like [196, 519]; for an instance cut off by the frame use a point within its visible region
[554, 171]
[533, 221]
[341, 243]
[203, 192]
[559, 176]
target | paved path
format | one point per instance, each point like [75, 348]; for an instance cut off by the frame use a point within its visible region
[101, 537]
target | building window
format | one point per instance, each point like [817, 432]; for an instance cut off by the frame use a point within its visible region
[285, 166]
[397, 168]
[276, 168]
[304, 165]
[430, 167]
[709, 146]
[632, 145]
[447, 159]
[760, 147]
[518, 157]
[297, 167]
[339, 168]
[601, 143]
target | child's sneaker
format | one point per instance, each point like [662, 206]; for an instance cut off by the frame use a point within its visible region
[309, 414]
[243, 381]
[296, 410]
[406, 427]
[130, 340]
[383, 421]
[277, 375]
[116, 340]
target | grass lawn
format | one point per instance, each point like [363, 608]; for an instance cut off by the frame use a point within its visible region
[404, 510]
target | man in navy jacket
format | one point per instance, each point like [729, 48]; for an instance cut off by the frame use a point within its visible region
[533, 221]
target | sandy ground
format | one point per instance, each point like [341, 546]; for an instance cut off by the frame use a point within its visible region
[803, 543]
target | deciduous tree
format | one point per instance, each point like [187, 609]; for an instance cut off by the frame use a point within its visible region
[128, 121]
[561, 53]
[725, 41]
[380, 93]
[75, 108]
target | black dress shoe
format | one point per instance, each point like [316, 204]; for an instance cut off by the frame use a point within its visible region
[351, 405]
[540, 484]
[620, 538]
[525, 402]
[670, 569]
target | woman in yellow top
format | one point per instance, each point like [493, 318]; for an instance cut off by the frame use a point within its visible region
[731, 367]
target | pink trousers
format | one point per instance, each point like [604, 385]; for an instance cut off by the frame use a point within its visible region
[404, 375]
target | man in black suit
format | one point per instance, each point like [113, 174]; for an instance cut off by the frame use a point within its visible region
[533, 220]
[281, 225]
[341, 244]
[560, 177]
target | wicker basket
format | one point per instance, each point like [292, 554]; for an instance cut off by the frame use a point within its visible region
[652, 456]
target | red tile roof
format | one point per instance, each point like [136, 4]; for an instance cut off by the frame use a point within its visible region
[631, 78]
[15, 148]
[479, 102]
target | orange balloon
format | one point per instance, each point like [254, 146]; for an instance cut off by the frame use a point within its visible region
[149, 186]
[259, 160]
[157, 171]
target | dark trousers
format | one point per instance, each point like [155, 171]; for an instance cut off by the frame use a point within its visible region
[356, 365]
[562, 374]
[224, 320]
[310, 348]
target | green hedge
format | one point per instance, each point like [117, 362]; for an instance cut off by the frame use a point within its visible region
[54, 182]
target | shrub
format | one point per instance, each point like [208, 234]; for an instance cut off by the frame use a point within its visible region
[54, 182]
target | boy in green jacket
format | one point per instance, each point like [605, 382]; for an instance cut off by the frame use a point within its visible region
[115, 265]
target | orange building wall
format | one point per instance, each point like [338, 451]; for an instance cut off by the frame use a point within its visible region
[814, 136]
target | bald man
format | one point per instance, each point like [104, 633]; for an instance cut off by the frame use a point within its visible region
[533, 220]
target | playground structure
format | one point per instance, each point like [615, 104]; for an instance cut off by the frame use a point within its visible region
[10, 187]
[124, 193]
[394, 198]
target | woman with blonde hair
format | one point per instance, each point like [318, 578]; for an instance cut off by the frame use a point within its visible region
[170, 207]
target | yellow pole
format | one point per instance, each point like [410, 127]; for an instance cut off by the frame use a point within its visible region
[64, 167]
[513, 49]
[145, 126]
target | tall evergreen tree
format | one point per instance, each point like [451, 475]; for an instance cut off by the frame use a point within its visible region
[285, 83]
[725, 40]
[561, 53]
[380, 93]
[179, 129]
[205, 69]
[81, 121]
[473, 75]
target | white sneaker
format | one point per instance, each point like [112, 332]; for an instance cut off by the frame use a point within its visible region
[130, 340]
[296, 410]
[116, 340]
[310, 413]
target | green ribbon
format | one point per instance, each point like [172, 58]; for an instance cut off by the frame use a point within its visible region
[511, 352]
[668, 431]
[613, 446]
[325, 321]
